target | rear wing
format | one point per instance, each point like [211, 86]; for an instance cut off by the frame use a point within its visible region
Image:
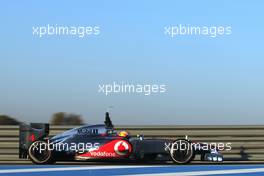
[30, 133]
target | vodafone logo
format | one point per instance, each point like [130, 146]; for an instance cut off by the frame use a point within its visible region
[122, 148]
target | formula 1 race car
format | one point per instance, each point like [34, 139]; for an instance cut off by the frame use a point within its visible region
[103, 143]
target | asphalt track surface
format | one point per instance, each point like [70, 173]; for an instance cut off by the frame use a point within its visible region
[155, 170]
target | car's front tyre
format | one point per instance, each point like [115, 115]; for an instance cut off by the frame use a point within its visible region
[182, 151]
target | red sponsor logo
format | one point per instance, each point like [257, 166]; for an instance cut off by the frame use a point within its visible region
[122, 148]
[113, 149]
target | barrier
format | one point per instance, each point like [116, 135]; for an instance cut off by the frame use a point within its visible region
[247, 141]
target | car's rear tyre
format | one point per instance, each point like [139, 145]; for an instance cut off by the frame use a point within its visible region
[182, 151]
[39, 153]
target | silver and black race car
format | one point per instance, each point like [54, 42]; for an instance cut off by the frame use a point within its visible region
[103, 143]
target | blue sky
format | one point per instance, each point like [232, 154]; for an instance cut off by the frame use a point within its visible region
[209, 80]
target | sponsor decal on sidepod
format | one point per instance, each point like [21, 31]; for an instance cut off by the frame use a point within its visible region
[112, 149]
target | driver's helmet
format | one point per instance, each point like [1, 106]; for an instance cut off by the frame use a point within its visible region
[123, 134]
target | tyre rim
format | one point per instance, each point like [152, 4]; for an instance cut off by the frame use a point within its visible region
[180, 154]
[39, 156]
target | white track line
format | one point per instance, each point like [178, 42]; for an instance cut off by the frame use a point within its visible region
[6, 171]
[231, 171]
[214, 172]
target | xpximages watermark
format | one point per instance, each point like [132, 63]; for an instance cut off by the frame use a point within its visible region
[61, 146]
[63, 30]
[182, 146]
[184, 30]
[85, 147]
[145, 89]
